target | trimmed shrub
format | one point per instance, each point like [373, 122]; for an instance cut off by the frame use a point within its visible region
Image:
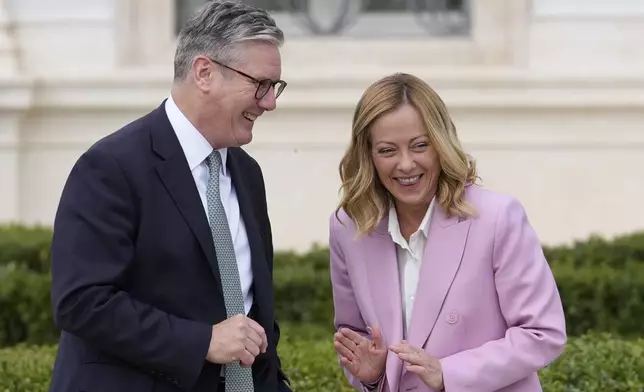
[31, 245]
[26, 315]
[303, 287]
[598, 251]
[597, 362]
[27, 245]
[592, 363]
[600, 298]
[597, 296]
[26, 368]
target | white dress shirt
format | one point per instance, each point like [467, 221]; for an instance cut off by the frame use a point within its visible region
[410, 257]
[196, 148]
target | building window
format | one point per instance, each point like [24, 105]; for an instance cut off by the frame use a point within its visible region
[590, 8]
[359, 18]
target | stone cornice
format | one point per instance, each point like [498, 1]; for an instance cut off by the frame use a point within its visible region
[461, 89]
[16, 93]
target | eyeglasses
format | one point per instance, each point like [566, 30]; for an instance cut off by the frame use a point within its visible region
[263, 85]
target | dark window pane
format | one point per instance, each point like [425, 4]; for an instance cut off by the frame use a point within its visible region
[185, 8]
[270, 5]
[404, 5]
[372, 5]
[431, 13]
[386, 6]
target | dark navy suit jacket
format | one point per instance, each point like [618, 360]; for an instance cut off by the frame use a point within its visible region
[133, 288]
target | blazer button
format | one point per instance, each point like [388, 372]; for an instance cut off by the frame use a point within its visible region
[452, 317]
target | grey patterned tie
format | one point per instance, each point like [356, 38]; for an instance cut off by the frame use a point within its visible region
[238, 379]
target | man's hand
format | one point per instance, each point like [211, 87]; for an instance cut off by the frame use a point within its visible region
[238, 338]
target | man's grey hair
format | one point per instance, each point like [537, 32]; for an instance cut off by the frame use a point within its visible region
[217, 27]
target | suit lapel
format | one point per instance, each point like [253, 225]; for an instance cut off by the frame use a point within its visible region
[261, 274]
[441, 260]
[177, 179]
[382, 270]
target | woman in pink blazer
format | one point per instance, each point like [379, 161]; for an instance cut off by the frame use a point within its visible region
[438, 283]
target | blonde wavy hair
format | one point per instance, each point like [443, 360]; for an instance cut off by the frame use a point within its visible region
[365, 200]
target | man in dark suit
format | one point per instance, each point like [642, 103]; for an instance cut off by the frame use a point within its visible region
[162, 254]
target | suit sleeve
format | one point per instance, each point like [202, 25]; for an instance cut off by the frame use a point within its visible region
[347, 312]
[92, 250]
[530, 304]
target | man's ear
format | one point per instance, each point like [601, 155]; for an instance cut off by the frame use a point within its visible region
[203, 72]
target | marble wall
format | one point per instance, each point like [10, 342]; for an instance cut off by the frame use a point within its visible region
[547, 95]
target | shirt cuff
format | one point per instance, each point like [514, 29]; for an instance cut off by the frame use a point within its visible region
[374, 385]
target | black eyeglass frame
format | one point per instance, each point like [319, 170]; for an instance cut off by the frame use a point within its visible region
[264, 84]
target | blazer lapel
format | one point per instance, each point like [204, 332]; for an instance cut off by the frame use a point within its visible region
[382, 270]
[178, 181]
[441, 260]
[261, 274]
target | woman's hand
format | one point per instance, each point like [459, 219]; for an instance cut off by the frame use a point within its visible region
[364, 358]
[418, 361]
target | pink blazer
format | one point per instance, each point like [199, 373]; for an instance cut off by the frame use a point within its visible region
[486, 306]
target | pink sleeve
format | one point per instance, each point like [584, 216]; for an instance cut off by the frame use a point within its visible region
[347, 312]
[532, 308]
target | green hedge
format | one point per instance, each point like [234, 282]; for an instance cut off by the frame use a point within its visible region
[303, 287]
[30, 245]
[26, 311]
[27, 245]
[592, 363]
[596, 362]
[598, 251]
[602, 298]
[598, 296]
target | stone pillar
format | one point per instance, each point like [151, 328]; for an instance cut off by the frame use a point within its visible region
[14, 97]
[9, 159]
[8, 61]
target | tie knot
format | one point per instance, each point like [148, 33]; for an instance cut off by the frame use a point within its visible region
[214, 160]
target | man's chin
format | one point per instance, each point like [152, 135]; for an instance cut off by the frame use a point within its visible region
[243, 138]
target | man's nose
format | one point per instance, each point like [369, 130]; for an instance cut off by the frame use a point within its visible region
[268, 101]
